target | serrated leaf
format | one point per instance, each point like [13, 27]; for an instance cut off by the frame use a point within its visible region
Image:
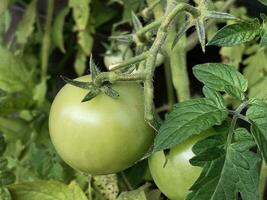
[46, 190]
[208, 143]
[84, 85]
[206, 156]
[80, 62]
[212, 14]
[201, 33]
[236, 171]
[260, 140]
[214, 95]
[217, 76]
[81, 12]
[46, 164]
[182, 30]
[242, 134]
[234, 92]
[235, 34]
[25, 26]
[257, 113]
[92, 94]
[136, 22]
[186, 119]
[14, 76]
[58, 25]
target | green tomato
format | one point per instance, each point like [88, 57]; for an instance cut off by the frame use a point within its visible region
[123, 53]
[103, 135]
[175, 179]
[159, 60]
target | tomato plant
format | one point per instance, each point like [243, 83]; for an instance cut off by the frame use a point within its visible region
[102, 136]
[154, 75]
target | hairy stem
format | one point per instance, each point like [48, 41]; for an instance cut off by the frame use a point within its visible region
[193, 38]
[154, 50]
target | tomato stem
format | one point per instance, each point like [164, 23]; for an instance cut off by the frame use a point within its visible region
[234, 121]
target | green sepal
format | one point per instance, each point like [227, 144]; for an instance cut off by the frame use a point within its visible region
[92, 94]
[83, 85]
[93, 69]
[107, 90]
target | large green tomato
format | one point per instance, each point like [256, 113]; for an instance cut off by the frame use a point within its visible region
[175, 179]
[103, 135]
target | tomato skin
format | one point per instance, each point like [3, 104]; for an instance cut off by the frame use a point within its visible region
[103, 135]
[175, 179]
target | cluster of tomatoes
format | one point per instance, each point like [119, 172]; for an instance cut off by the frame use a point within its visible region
[104, 135]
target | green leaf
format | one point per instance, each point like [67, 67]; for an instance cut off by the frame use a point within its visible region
[2, 93]
[81, 12]
[237, 170]
[260, 141]
[138, 194]
[235, 34]
[234, 92]
[263, 41]
[6, 178]
[80, 62]
[14, 102]
[85, 40]
[188, 118]
[46, 190]
[26, 25]
[2, 144]
[47, 165]
[242, 134]
[4, 5]
[4, 194]
[264, 2]
[257, 113]
[107, 186]
[14, 76]
[129, 7]
[216, 76]
[102, 13]
[214, 95]
[57, 33]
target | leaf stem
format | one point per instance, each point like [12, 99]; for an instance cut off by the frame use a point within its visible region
[236, 115]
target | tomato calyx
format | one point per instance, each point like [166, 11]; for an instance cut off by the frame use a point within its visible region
[94, 89]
